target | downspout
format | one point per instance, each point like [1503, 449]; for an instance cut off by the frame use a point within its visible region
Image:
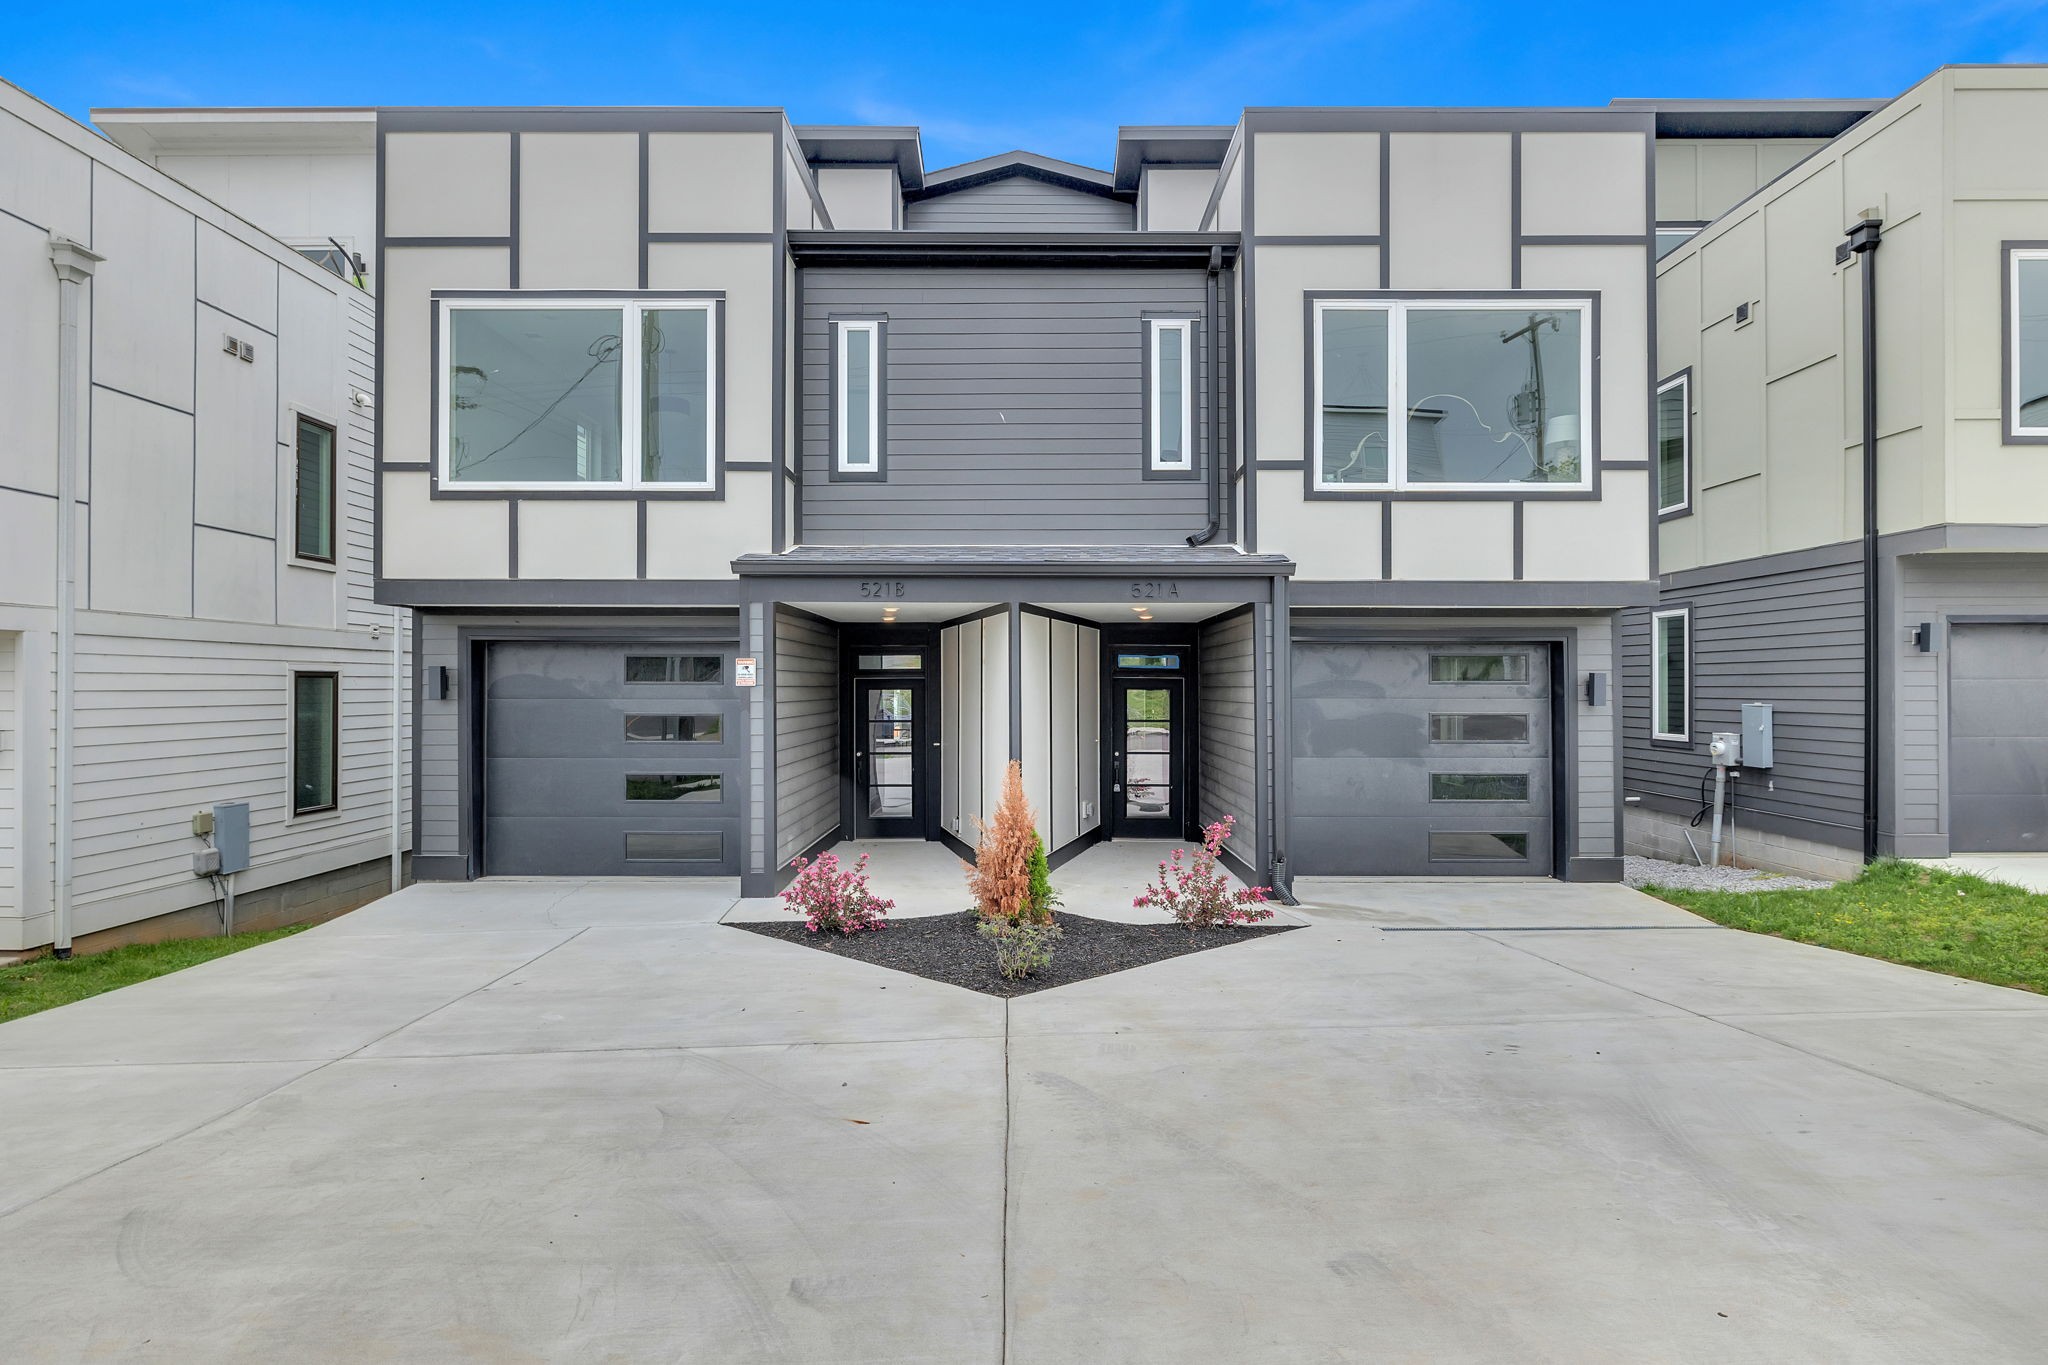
[1863, 241]
[1214, 404]
[397, 741]
[74, 266]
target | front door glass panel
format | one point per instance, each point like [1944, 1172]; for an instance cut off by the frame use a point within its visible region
[1148, 753]
[889, 733]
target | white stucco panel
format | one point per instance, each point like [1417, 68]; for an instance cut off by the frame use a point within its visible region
[426, 537]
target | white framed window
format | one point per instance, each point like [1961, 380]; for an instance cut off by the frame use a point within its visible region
[549, 393]
[857, 386]
[2026, 343]
[1496, 392]
[1170, 422]
[316, 741]
[1674, 444]
[1671, 675]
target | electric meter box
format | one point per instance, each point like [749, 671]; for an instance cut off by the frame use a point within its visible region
[1756, 734]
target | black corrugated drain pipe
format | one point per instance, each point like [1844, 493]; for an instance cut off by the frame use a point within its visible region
[1863, 239]
[1214, 404]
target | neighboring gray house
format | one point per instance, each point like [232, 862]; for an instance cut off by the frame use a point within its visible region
[1764, 588]
[758, 489]
[203, 630]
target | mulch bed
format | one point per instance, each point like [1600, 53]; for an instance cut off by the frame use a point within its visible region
[947, 948]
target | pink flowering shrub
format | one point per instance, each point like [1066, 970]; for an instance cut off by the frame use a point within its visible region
[1196, 891]
[836, 898]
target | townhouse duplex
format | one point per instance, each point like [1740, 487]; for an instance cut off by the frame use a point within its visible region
[186, 597]
[1870, 560]
[758, 488]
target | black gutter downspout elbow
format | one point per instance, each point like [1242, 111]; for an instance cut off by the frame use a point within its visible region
[1214, 404]
[1863, 241]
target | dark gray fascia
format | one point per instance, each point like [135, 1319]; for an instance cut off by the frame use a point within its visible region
[1434, 595]
[1369, 119]
[1194, 147]
[1181, 249]
[1753, 118]
[558, 119]
[540, 594]
[1065, 174]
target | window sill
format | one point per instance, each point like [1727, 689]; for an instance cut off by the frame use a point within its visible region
[316, 565]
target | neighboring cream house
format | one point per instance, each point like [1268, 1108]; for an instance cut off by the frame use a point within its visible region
[204, 396]
[1921, 730]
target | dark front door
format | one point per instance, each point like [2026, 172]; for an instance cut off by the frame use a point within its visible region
[889, 758]
[1148, 758]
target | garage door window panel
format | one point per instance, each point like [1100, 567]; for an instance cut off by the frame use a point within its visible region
[1493, 393]
[674, 729]
[1479, 787]
[576, 395]
[703, 787]
[1458, 728]
[1479, 668]
[675, 668]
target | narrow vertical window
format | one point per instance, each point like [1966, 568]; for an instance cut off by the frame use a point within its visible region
[1674, 444]
[1671, 674]
[2027, 345]
[1172, 388]
[859, 422]
[313, 492]
[316, 734]
[675, 398]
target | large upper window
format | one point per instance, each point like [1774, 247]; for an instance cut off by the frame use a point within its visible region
[1496, 392]
[857, 381]
[2027, 345]
[1172, 410]
[1671, 674]
[1674, 444]
[575, 394]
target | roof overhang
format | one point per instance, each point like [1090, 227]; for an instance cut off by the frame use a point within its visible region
[870, 147]
[150, 133]
[1753, 118]
[1189, 148]
[1186, 249]
[1013, 561]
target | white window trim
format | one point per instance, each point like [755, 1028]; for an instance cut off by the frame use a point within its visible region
[1683, 383]
[2012, 341]
[632, 419]
[846, 328]
[1660, 685]
[1154, 460]
[1397, 394]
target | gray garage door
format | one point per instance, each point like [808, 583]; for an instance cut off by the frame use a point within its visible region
[1998, 738]
[606, 759]
[1421, 760]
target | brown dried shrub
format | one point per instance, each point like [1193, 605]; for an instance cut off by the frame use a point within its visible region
[1000, 875]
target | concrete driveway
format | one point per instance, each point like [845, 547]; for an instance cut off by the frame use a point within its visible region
[562, 1121]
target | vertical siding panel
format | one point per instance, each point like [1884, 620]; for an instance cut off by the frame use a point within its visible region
[806, 733]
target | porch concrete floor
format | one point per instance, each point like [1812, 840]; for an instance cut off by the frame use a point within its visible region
[570, 1121]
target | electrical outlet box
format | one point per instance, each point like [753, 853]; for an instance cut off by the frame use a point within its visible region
[206, 862]
[1756, 734]
[202, 823]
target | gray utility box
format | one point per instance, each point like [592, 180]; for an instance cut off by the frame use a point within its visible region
[231, 835]
[1756, 734]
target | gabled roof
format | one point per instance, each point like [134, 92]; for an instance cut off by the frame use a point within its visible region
[1051, 170]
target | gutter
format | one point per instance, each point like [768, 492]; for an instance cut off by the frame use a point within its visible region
[1863, 241]
[1214, 405]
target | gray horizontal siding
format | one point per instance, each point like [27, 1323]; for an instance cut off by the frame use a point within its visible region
[1790, 637]
[1015, 408]
[1019, 203]
[806, 733]
[1228, 733]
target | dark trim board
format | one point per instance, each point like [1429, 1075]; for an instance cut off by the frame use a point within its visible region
[1528, 594]
[550, 594]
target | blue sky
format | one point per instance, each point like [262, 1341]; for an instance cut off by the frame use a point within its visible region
[1051, 77]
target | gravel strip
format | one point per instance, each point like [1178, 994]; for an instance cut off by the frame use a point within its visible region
[1686, 877]
[947, 948]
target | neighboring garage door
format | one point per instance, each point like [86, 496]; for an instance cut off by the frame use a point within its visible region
[1421, 760]
[611, 759]
[1998, 738]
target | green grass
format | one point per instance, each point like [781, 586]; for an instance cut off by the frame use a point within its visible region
[29, 987]
[1901, 912]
